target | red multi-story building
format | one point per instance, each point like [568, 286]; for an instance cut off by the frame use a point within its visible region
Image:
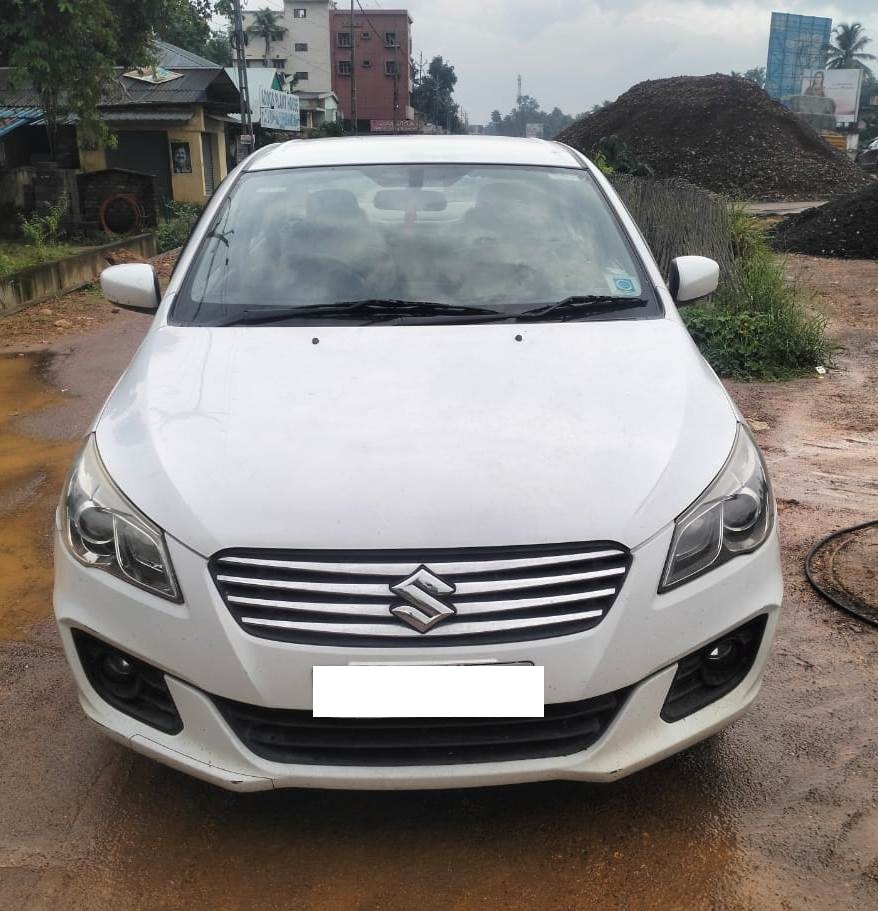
[373, 50]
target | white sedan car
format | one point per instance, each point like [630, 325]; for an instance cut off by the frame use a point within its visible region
[417, 480]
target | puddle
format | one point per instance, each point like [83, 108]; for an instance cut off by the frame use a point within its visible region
[31, 474]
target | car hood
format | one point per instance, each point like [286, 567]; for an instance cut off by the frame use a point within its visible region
[416, 436]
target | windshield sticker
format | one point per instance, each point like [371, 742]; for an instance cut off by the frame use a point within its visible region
[623, 284]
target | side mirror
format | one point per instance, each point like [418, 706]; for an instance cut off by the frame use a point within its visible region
[134, 286]
[693, 277]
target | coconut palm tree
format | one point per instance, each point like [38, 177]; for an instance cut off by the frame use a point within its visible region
[266, 26]
[846, 52]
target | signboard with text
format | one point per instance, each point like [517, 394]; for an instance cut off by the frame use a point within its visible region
[387, 126]
[279, 111]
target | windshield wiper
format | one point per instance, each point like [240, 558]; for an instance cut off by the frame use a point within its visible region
[373, 309]
[579, 305]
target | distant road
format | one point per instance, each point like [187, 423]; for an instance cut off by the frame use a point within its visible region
[782, 208]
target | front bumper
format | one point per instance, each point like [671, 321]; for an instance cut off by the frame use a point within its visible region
[202, 650]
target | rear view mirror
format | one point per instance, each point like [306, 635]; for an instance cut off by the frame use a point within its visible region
[411, 199]
[693, 277]
[134, 286]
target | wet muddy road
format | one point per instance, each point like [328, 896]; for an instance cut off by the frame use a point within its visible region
[779, 812]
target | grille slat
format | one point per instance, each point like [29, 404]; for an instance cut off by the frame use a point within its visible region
[488, 565]
[347, 597]
[289, 736]
[369, 611]
[379, 590]
[456, 629]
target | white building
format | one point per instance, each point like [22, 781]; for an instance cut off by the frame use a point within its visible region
[303, 52]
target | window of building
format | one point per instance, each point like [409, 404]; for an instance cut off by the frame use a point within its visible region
[391, 68]
[299, 13]
[279, 63]
[301, 47]
[301, 76]
[343, 39]
[344, 68]
[367, 63]
[366, 36]
[390, 39]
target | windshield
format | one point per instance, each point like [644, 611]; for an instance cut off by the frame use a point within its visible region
[414, 243]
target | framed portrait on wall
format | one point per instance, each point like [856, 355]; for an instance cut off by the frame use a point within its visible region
[181, 157]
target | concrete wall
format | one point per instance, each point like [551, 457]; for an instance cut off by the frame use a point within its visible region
[375, 94]
[313, 30]
[30, 286]
[16, 187]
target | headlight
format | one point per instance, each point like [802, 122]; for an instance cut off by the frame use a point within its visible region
[733, 516]
[102, 529]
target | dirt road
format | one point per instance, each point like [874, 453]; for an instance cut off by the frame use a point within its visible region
[779, 812]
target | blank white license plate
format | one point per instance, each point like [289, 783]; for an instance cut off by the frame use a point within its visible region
[429, 691]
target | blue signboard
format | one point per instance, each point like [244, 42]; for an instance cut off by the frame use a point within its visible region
[796, 46]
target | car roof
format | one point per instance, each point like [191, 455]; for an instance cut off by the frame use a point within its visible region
[365, 150]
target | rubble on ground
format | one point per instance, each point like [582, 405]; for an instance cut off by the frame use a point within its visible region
[722, 133]
[846, 228]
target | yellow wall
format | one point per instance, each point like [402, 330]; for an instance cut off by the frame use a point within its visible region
[92, 159]
[185, 187]
[190, 187]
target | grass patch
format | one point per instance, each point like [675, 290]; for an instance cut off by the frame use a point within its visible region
[759, 324]
[15, 256]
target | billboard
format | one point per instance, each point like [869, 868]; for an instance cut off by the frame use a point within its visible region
[279, 111]
[840, 88]
[393, 126]
[796, 47]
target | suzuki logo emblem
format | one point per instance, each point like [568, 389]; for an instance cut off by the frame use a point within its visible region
[422, 609]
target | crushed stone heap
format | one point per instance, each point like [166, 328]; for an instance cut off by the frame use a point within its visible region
[847, 228]
[722, 133]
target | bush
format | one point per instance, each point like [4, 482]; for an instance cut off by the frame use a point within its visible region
[764, 346]
[761, 325]
[42, 231]
[180, 219]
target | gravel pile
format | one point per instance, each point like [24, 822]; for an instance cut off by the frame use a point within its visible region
[847, 228]
[722, 133]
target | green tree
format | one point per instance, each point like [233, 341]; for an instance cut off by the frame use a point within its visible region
[67, 50]
[187, 24]
[434, 95]
[756, 74]
[184, 25]
[219, 48]
[527, 111]
[847, 49]
[265, 25]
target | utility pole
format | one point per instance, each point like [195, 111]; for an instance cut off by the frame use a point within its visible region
[353, 77]
[243, 86]
[518, 96]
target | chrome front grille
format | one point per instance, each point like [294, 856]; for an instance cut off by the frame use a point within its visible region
[431, 597]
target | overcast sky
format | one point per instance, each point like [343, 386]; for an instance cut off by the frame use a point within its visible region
[576, 53]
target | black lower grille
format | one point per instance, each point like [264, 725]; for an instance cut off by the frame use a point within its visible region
[283, 735]
[128, 684]
[714, 671]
